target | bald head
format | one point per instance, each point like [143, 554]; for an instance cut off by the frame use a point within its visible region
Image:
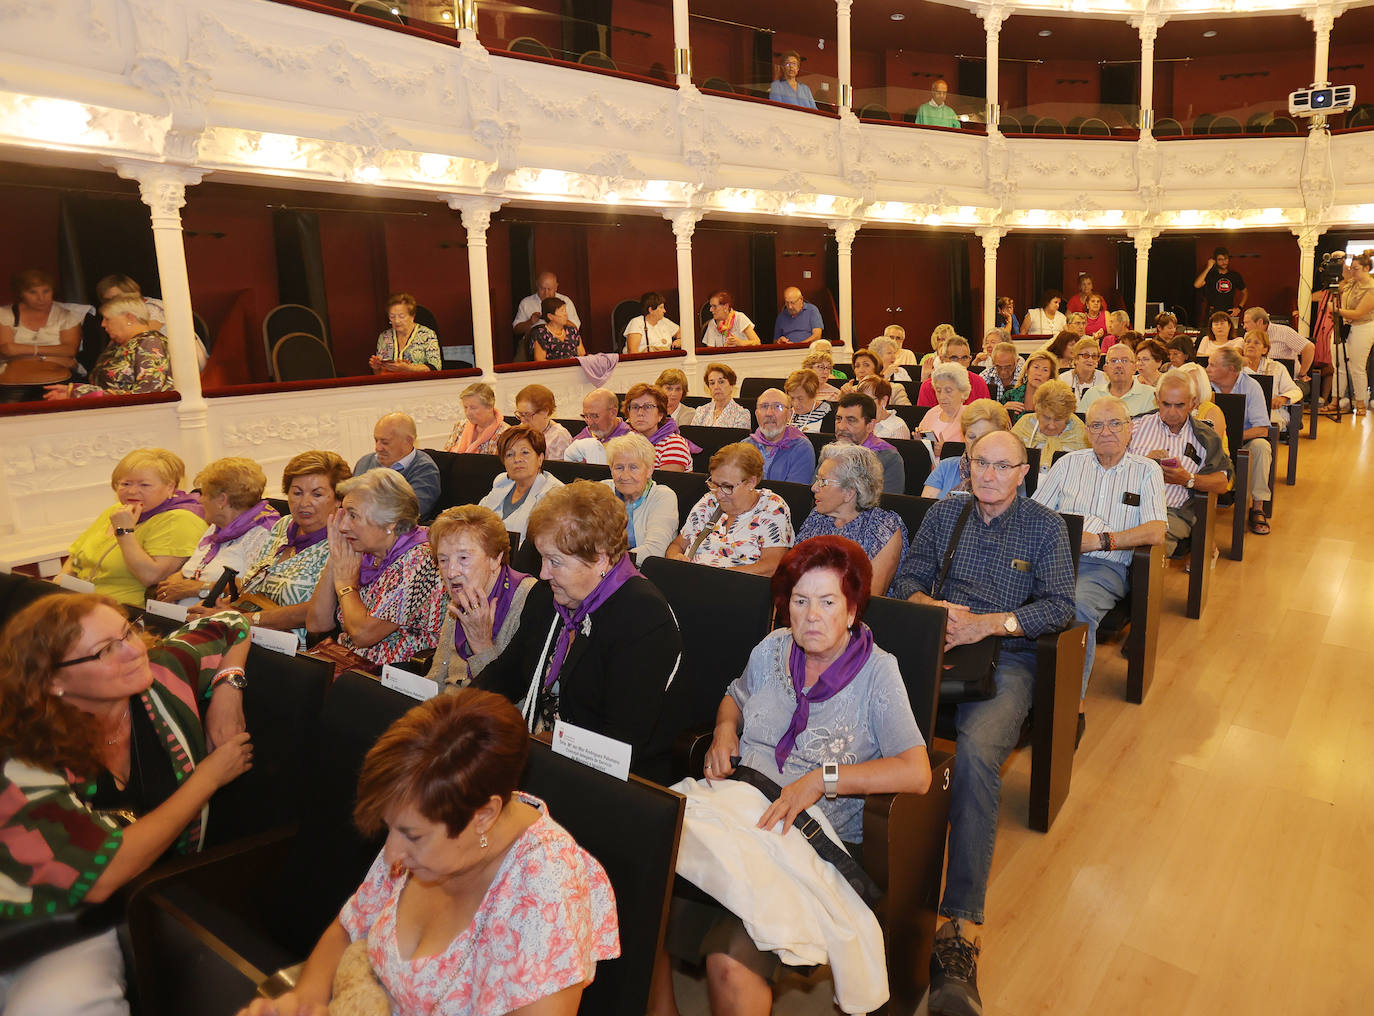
[599, 408]
[792, 300]
[774, 412]
[546, 285]
[1002, 446]
[393, 438]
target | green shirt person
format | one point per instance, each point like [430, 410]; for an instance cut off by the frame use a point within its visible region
[936, 112]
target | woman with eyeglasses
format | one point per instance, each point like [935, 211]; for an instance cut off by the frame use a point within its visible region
[406, 345]
[534, 407]
[1052, 424]
[737, 524]
[106, 770]
[646, 410]
[849, 481]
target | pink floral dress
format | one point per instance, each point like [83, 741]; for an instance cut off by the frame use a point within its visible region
[546, 921]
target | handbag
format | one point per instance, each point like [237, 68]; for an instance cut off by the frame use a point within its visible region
[968, 673]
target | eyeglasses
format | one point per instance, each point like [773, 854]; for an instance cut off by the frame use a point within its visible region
[530, 416]
[1119, 359]
[1000, 468]
[728, 489]
[776, 407]
[643, 407]
[966, 358]
[132, 630]
[1115, 426]
[824, 481]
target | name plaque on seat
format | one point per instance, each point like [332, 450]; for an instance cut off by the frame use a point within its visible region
[172, 611]
[592, 749]
[284, 642]
[414, 685]
[74, 584]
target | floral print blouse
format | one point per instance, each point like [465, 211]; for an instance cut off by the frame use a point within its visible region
[135, 367]
[732, 414]
[422, 347]
[547, 919]
[767, 524]
[286, 581]
[556, 349]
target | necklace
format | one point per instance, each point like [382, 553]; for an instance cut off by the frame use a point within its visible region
[123, 731]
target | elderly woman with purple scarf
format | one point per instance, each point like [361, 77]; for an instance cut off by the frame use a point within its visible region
[646, 409]
[819, 718]
[471, 548]
[597, 644]
[275, 591]
[240, 525]
[379, 587]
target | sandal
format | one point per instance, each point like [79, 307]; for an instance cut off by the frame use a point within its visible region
[1259, 525]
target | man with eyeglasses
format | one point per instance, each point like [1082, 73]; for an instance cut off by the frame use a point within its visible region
[956, 351]
[600, 413]
[1121, 498]
[855, 418]
[1122, 384]
[798, 322]
[1190, 456]
[1010, 576]
[1229, 375]
[1003, 367]
[787, 452]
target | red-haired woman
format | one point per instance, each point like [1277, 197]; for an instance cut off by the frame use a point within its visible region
[822, 714]
[104, 771]
[479, 902]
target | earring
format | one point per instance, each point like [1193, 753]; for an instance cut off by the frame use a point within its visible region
[482, 840]
[58, 692]
[603, 575]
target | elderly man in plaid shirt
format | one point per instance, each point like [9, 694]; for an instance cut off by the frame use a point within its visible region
[1002, 566]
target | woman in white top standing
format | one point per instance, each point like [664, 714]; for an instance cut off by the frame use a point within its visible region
[652, 331]
[39, 338]
[1357, 310]
[1046, 319]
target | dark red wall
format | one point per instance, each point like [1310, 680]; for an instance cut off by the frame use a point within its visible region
[30, 218]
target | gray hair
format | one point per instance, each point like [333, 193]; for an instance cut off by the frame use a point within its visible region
[1230, 358]
[386, 497]
[952, 372]
[1258, 314]
[481, 391]
[884, 344]
[1120, 317]
[856, 468]
[631, 446]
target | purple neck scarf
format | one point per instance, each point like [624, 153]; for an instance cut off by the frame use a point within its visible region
[300, 542]
[621, 428]
[669, 427]
[616, 577]
[180, 499]
[790, 435]
[260, 516]
[874, 443]
[371, 567]
[503, 592]
[833, 680]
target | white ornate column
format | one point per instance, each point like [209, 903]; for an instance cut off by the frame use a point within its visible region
[1148, 27]
[992, 238]
[1143, 238]
[1322, 20]
[163, 189]
[842, 53]
[844, 242]
[1307, 250]
[684, 222]
[476, 213]
[682, 44]
[465, 21]
[992, 25]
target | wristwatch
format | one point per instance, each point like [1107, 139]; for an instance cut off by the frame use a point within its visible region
[1192, 479]
[1010, 625]
[233, 677]
[120, 531]
[830, 779]
[204, 592]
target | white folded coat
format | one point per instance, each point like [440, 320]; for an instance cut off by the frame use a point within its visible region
[791, 901]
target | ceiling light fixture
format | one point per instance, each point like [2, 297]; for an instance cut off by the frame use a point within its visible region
[1211, 33]
[1044, 33]
[899, 16]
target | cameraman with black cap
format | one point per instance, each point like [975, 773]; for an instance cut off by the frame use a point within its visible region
[1224, 289]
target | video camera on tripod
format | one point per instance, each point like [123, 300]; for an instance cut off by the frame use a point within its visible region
[1329, 270]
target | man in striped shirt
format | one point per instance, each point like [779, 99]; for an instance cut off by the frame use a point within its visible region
[1121, 498]
[1189, 453]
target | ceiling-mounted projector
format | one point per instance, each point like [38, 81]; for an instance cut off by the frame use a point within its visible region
[1314, 101]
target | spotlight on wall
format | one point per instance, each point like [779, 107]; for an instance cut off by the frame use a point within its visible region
[1211, 33]
[1044, 33]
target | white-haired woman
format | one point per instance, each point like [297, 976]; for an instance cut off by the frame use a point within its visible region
[849, 481]
[942, 422]
[650, 508]
[890, 349]
[380, 586]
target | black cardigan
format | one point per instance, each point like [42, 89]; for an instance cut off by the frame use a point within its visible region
[615, 678]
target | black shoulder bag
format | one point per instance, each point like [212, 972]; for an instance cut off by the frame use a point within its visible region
[968, 674]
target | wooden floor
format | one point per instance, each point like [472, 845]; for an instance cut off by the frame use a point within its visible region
[1216, 853]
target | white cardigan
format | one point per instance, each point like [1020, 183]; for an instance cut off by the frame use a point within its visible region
[655, 522]
[519, 518]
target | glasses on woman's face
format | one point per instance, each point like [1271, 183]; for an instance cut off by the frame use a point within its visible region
[644, 407]
[823, 482]
[724, 489]
[132, 630]
[528, 415]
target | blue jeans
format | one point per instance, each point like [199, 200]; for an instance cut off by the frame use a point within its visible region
[987, 732]
[1101, 583]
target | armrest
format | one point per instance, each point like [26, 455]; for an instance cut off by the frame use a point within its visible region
[1202, 542]
[689, 754]
[1147, 593]
[1240, 458]
[1058, 683]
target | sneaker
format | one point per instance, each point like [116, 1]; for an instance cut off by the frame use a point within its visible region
[954, 974]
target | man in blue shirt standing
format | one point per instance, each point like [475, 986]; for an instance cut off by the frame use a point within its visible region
[1226, 370]
[798, 321]
[394, 440]
[1002, 567]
